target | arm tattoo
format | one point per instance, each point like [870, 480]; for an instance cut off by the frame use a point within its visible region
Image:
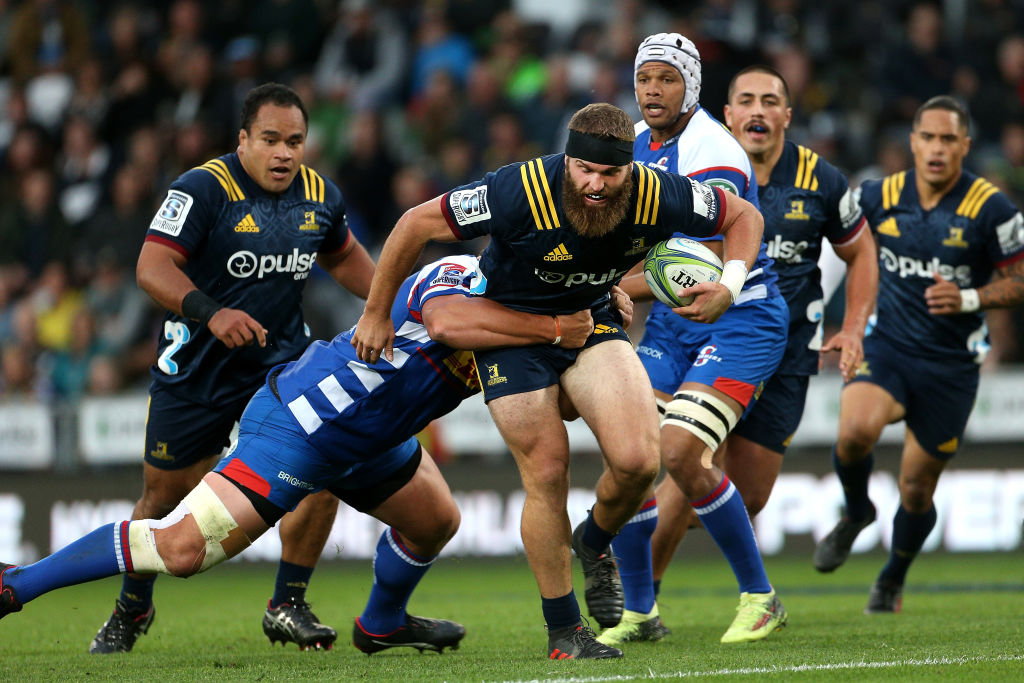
[1007, 291]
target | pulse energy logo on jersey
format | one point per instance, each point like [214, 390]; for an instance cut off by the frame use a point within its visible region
[172, 213]
[908, 266]
[786, 250]
[572, 279]
[244, 264]
[469, 206]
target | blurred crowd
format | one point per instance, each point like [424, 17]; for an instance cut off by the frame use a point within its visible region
[103, 104]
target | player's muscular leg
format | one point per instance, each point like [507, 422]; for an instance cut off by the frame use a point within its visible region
[162, 490]
[534, 432]
[753, 469]
[919, 475]
[214, 522]
[610, 388]
[864, 410]
[423, 511]
[304, 530]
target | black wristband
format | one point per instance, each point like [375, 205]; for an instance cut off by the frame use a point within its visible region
[198, 306]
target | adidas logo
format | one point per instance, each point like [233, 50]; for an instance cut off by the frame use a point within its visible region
[247, 224]
[559, 253]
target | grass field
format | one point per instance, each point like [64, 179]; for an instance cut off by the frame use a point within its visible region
[963, 619]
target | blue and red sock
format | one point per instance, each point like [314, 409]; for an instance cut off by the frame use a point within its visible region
[632, 548]
[396, 571]
[725, 517]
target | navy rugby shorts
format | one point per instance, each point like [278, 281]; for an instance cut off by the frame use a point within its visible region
[936, 393]
[773, 419]
[736, 355]
[521, 369]
[180, 433]
[273, 459]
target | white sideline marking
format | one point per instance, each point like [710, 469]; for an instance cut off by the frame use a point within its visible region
[651, 675]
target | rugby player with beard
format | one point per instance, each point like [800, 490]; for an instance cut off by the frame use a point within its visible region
[564, 229]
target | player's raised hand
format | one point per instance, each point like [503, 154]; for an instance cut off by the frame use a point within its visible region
[575, 329]
[234, 328]
[374, 337]
[943, 298]
[711, 300]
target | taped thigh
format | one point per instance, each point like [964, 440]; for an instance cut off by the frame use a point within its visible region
[707, 417]
[214, 521]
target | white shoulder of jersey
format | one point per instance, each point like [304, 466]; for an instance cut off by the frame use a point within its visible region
[706, 143]
[639, 127]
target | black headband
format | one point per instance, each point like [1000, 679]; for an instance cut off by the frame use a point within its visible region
[612, 152]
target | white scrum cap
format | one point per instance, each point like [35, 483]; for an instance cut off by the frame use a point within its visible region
[677, 51]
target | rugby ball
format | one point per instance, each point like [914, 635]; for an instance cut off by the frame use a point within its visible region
[676, 264]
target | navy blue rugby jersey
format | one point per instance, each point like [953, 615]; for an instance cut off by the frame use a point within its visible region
[973, 230]
[536, 262]
[805, 201]
[250, 250]
[342, 402]
[707, 152]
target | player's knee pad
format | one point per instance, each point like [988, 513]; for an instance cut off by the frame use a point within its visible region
[707, 417]
[214, 521]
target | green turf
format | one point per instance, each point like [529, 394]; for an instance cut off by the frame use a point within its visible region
[963, 619]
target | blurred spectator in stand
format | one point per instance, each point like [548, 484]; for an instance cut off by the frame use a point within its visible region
[482, 100]
[1000, 98]
[457, 164]
[46, 35]
[439, 113]
[105, 377]
[506, 141]
[69, 368]
[290, 32]
[19, 377]
[55, 303]
[123, 315]
[90, 100]
[361, 62]
[116, 232]
[32, 230]
[202, 97]
[135, 86]
[191, 147]
[1004, 166]
[244, 72]
[514, 57]
[325, 135]
[917, 67]
[29, 149]
[365, 176]
[892, 155]
[84, 165]
[146, 156]
[437, 47]
[547, 114]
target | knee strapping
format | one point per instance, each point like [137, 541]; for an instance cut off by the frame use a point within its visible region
[215, 523]
[707, 417]
[145, 558]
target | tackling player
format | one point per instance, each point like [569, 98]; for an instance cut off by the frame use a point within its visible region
[228, 254]
[705, 377]
[563, 228]
[942, 233]
[328, 422]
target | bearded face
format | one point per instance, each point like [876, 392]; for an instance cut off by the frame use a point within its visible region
[595, 218]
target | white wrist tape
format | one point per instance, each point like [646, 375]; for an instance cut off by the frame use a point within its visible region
[969, 300]
[734, 274]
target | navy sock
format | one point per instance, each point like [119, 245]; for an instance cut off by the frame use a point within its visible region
[396, 571]
[909, 532]
[594, 537]
[100, 553]
[561, 612]
[632, 548]
[137, 593]
[725, 517]
[854, 478]
[290, 585]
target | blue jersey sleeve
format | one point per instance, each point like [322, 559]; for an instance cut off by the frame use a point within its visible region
[188, 212]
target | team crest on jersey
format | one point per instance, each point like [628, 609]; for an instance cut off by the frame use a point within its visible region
[462, 364]
[638, 247]
[309, 221]
[796, 211]
[955, 239]
[1011, 234]
[160, 452]
[723, 184]
[605, 329]
[706, 355]
[172, 213]
[469, 206]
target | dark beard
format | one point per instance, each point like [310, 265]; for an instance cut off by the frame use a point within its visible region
[595, 221]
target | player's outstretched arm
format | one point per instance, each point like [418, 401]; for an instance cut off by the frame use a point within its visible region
[861, 291]
[374, 336]
[159, 272]
[477, 323]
